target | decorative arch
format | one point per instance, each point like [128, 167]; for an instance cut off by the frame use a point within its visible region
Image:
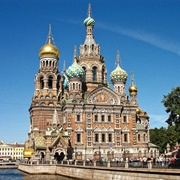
[103, 95]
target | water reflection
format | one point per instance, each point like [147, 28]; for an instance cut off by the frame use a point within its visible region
[15, 174]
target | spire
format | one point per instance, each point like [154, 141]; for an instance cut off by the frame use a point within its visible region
[132, 89]
[132, 78]
[75, 54]
[64, 66]
[118, 58]
[49, 48]
[55, 117]
[75, 51]
[89, 10]
[50, 37]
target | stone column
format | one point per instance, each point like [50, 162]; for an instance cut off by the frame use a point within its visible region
[149, 165]
[108, 164]
[126, 164]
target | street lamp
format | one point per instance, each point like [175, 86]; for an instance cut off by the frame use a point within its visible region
[75, 152]
[124, 154]
[85, 153]
[99, 152]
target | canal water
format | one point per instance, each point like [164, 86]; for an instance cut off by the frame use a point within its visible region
[15, 174]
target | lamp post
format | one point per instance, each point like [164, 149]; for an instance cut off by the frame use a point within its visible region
[75, 152]
[85, 153]
[124, 154]
[99, 152]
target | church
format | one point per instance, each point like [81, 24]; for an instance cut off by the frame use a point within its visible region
[78, 110]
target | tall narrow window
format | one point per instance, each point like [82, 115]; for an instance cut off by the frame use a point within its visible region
[139, 137]
[78, 117]
[58, 82]
[96, 137]
[103, 74]
[85, 73]
[73, 86]
[118, 88]
[41, 83]
[109, 137]
[102, 118]
[94, 71]
[103, 138]
[144, 137]
[50, 82]
[124, 119]
[109, 118]
[96, 118]
[125, 138]
[78, 138]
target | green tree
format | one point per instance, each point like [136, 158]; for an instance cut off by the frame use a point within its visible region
[163, 135]
[159, 138]
[172, 104]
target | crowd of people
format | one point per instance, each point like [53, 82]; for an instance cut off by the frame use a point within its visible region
[161, 161]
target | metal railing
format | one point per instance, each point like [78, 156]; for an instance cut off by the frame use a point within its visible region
[121, 164]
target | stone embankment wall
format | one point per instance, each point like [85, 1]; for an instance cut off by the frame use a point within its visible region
[99, 173]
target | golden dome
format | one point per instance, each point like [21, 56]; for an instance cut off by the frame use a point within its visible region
[138, 111]
[133, 89]
[49, 49]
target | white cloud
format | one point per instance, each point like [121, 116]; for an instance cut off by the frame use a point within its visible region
[145, 37]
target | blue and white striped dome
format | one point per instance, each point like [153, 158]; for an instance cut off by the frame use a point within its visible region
[89, 21]
[75, 71]
[119, 75]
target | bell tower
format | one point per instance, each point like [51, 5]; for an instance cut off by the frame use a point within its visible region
[90, 59]
[47, 85]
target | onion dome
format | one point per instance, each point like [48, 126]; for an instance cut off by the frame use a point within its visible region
[75, 71]
[118, 75]
[138, 111]
[89, 21]
[132, 89]
[49, 48]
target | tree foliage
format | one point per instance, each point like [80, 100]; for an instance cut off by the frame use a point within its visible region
[172, 105]
[163, 135]
[171, 134]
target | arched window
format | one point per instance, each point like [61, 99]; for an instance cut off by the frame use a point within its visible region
[118, 88]
[125, 138]
[94, 71]
[103, 74]
[144, 137]
[139, 137]
[41, 83]
[74, 86]
[84, 73]
[58, 82]
[50, 82]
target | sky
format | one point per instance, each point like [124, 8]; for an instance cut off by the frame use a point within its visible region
[146, 32]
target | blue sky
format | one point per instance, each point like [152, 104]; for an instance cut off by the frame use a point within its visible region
[146, 32]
